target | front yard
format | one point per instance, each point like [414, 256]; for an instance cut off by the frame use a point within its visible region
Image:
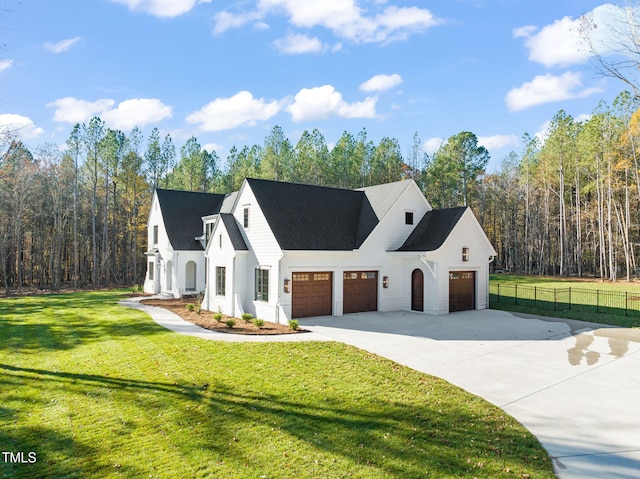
[92, 389]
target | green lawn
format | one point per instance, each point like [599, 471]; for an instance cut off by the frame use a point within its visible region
[96, 390]
[587, 300]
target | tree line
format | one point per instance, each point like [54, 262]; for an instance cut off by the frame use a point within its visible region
[568, 203]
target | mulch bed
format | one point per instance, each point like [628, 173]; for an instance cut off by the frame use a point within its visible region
[205, 319]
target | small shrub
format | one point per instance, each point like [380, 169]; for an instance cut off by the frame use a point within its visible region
[217, 317]
[190, 307]
[136, 289]
[247, 317]
[198, 308]
[258, 323]
[293, 324]
[230, 322]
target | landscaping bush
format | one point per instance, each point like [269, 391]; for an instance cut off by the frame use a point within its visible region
[247, 317]
[217, 317]
[230, 322]
[198, 308]
[293, 324]
[190, 307]
[258, 323]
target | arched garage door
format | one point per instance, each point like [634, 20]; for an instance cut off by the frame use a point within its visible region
[462, 290]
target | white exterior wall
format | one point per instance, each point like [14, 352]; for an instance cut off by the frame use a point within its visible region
[392, 231]
[221, 256]
[466, 234]
[264, 252]
[155, 219]
[176, 285]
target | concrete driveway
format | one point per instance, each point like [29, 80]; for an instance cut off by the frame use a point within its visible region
[575, 385]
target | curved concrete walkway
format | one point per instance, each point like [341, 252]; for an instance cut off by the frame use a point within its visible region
[575, 385]
[173, 322]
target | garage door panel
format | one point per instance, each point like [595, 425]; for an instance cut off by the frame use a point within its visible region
[360, 291]
[311, 294]
[462, 290]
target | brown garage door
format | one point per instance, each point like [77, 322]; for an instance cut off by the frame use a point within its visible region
[462, 290]
[311, 294]
[360, 291]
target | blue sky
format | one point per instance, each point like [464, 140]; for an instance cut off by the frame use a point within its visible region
[228, 71]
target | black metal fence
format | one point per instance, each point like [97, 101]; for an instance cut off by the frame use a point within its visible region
[597, 301]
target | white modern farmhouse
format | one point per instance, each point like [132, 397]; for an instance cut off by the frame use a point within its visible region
[281, 251]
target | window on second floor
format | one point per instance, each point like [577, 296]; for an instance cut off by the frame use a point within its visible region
[408, 217]
[155, 234]
[246, 217]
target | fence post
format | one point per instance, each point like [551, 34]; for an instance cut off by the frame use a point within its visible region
[570, 300]
[626, 303]
[516, 293]
[597, 301]
[555, 298]
[535, 296]
[498, 293]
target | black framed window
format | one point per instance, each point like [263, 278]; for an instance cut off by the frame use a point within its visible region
[221, 280]
[262, 284]
[246, 217]
[408, 217]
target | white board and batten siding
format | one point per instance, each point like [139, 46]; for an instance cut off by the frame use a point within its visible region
[264, 252]
[220, 253]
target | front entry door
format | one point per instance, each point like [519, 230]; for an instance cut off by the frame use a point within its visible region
[417, 290]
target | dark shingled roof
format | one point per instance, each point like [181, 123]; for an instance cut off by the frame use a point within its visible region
[306, 217]
[182, 212]
[233, 229]
[433, 229]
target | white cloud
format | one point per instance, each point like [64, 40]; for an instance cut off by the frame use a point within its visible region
[226, 21]
[381, 82]
[342, 17]
[547, 89]
[5, 64]
[240, 109]
[432, 145]
[136, 112]
[211, 147]
[73, 110]
[128, 113]
[558, 44]
[161, 8]
[524, 32]
[23, 125]
[61, 46]
[324, 102]
[496, 142]
[296, 44]
[562, 44]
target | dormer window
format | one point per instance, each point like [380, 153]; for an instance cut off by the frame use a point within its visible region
[408, 217]
[246, 217]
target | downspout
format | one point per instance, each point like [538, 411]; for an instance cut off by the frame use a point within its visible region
[233, 286]
[278, 286]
